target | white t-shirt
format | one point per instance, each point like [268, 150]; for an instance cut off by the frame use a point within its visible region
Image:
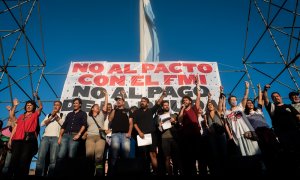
[238, 120]
[53, 128]
[239, 125]
[296, 106]
[92, 127]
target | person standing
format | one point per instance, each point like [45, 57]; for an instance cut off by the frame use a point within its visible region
[241, 130]
[121, 132]
[23, 140]
[107, 129]
[267, 141]
[191, 135]
[216, 135]
[95, 143]
[9, 126]
[144, 123]
[285, 119]
[69, 139]
[53, 123]
[169, 144]
[243, 135]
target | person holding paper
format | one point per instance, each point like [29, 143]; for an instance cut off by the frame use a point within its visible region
[166, 121]
[145, 126]
[121, 131]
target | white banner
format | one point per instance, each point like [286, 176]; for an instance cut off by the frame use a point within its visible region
[87, 80]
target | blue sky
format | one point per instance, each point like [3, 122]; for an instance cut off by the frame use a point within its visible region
[191, 30]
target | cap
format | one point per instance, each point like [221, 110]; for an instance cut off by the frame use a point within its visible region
[293, 94]
[119, 97]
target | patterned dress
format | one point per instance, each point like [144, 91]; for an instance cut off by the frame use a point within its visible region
[239, 125]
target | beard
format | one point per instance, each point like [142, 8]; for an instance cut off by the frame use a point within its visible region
[166, 110]
[277, 102]
[186, 105]
[143, 106]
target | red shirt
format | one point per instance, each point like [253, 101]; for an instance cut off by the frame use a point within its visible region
[26, 124]
[190, 121]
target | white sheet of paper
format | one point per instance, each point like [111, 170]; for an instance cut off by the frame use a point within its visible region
[146, 141]
[166, 125]
[164, 116]
[200, 119]
[160, 129]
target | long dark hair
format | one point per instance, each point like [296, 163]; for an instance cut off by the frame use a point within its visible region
[91, 111]
[33, 104]
[247, 110]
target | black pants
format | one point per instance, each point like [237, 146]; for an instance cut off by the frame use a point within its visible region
[22, 153]
[194, 148]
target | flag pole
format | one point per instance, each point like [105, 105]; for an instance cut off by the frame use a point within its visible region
[142, 15]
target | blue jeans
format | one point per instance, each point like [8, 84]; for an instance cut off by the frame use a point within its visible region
[46, 143]
[65, 161]
[132, 148]
[119, 140]
[68, 145]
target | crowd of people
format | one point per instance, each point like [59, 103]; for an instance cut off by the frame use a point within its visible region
[212, 140]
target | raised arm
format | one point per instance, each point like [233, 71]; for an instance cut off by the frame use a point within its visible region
[13, 109]
[224, 101]
[111, 115]
[260, 99]
[104, 109]
[221, 100]
[161, 98]
[265, 94]
[10, 121]
[224, 104]
[123, 93]
[9, 111]
[246, 94]
[39, 102]
[197, 103]
[208, 99]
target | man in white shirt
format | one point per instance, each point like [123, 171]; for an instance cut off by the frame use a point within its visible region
[295, 100]
[170, 149]
[53, 124]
